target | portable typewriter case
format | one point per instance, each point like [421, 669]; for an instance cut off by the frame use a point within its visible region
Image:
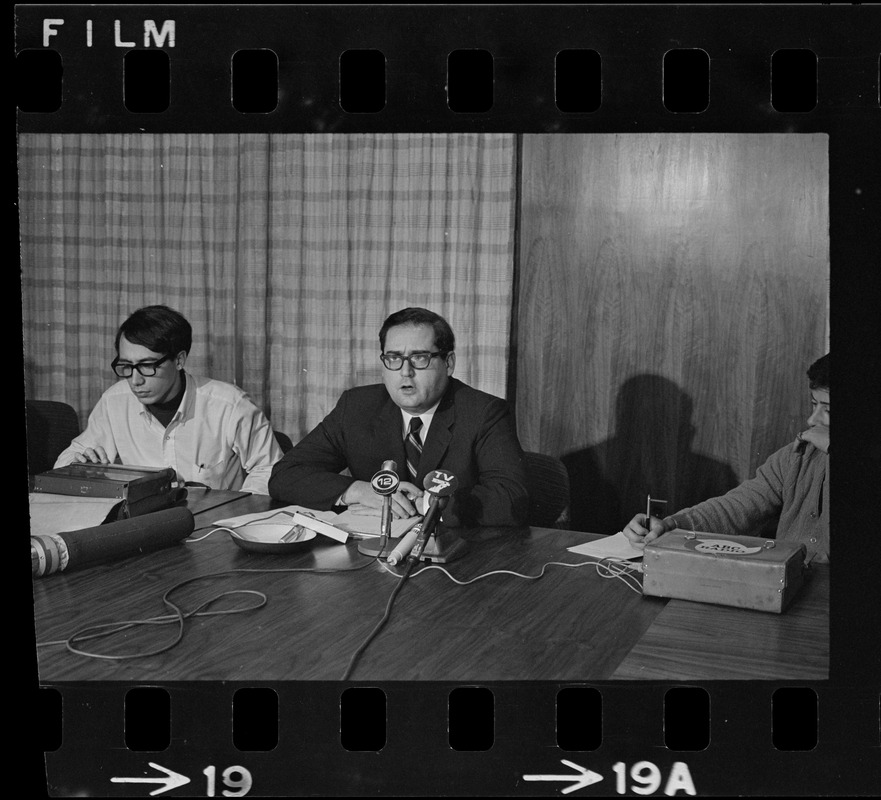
[742, 571]
[140, 490]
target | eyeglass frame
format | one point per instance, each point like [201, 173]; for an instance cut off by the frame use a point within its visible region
[154, 364]
[409, 359]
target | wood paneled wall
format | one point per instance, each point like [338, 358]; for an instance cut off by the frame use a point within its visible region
[672, 293]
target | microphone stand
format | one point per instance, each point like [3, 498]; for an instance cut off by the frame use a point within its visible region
[385, 525]
[429, 524]
[433, 544]
[385, 483]
[444, 547]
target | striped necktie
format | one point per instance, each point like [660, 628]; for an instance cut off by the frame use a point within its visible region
[413, 446]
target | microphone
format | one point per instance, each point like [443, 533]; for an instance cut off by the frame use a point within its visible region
[56, 552]
[440, 486]
[405, 545]
[386, 483]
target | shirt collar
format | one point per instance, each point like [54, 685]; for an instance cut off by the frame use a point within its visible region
[425, 416]
[187, 406]
[187, 403]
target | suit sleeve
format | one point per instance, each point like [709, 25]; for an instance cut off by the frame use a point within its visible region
[309, 474]
[500, 497]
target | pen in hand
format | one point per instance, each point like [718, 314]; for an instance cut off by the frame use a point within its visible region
[638, 531]
[662, 506]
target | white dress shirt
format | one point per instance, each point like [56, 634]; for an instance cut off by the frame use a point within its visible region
[425, 416]
[217, 436]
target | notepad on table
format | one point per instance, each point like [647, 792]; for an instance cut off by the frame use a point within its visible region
[616, 548]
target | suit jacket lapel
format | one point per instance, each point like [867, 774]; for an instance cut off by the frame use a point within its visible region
[389, 438]
[439, 435]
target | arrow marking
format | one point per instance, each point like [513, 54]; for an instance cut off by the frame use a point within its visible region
[171, 779]
[586, 778]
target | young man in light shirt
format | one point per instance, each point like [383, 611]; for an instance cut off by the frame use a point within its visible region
[158, 415]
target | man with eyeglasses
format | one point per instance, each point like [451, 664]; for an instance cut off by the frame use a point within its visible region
[161, 416]
[423, 419]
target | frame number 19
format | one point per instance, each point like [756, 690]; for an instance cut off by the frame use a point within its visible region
[237, 781]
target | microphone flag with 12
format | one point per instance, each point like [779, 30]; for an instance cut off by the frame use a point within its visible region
[385, 483]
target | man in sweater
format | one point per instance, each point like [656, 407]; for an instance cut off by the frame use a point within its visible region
[791, 485]
[158, 415]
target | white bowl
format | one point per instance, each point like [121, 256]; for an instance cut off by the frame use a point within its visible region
[267, 537]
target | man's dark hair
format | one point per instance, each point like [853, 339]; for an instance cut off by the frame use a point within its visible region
[818, 373]
[158, 328]
[444, 340]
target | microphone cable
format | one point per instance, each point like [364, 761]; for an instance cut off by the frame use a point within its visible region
[378, 558]
[106, 629]
[386, 614]
[440, 485]
[605, 568]
[612, 569]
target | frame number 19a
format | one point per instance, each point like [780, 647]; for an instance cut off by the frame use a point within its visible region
[645, 778]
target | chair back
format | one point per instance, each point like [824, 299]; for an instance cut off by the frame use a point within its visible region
[284, 441]
[548, 490]
[50, 428]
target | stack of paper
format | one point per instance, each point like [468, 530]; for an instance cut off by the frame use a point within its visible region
[359, 524]
[53, 513]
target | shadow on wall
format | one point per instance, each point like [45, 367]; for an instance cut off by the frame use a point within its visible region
[650, 453]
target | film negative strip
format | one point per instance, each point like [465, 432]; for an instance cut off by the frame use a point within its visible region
[570, 683]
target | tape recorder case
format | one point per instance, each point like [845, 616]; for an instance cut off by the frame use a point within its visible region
[742, 571]
[141, 490]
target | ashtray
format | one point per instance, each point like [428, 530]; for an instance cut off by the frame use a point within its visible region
[273, 537]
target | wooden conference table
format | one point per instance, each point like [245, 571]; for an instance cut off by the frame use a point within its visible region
[570, 625]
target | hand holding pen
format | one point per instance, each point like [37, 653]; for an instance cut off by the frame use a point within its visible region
[645, 528]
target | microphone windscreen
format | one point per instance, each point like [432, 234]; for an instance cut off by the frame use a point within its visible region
[120, 539]
[440, 483]
[386, 481]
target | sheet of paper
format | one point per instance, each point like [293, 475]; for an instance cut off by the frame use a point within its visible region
[285, 514]
[363, 522]
[617, 548]
[51, 513]
[366, 522]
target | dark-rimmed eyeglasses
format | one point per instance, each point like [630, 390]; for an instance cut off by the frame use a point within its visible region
[146, 368]
[394, 361]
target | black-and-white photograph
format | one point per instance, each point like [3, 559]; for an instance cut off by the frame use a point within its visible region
[471, 436]
[526, 336]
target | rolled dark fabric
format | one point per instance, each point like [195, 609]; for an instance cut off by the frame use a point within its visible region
[55, 552]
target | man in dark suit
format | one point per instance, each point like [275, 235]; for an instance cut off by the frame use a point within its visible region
[423, 419]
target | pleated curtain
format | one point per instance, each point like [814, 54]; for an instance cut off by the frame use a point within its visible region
[285, 252]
